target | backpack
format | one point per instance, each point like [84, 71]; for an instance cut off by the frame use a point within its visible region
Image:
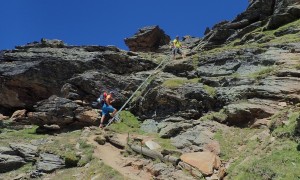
[101, 99]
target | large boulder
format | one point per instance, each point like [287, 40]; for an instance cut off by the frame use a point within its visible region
[147, 39]
[206, 162]
[62, 112]
[27, 151]
[49, 163]
[10, 162]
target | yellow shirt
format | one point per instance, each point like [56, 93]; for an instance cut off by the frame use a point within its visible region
[176, 43]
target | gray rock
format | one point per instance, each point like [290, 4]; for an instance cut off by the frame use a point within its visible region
[49, 163]
[149, 126]
[9, 162]
[242, 114]
[147, 39]
[27, 151]
[39, 69]
[285, 12]
[7, 151]
[290, 30]
[158, 169]
[172, 129]
[195, 138]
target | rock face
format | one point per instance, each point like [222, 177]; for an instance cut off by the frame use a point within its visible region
[188, 101]
[272, 13]
[38, 70]
[147, 39]
[252, 79]
[285, 11]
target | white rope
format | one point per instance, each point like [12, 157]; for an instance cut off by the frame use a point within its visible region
[116, 115]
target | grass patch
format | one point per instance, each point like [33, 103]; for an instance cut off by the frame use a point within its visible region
[256, 156]
[25, 135]
[282, 162]
[234, 138]
[164, 143]
[266, 35]
[88, 153]
[12, 174]
[129, 124]
[65, 146]
[262, 73]
[96, 170]
[215, 116]
[177, 82]
[288, 130]
[210, 90]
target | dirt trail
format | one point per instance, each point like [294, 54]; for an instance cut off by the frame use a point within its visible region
[112, 157]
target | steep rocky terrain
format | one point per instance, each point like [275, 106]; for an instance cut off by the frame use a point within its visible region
[231, 107]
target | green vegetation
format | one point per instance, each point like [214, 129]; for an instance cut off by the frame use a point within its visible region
[210, 90]
[177, 82]
[281, 162]
[234, 138]
[268, 37]
[25, 135]
[65, 146]
[71, 159]
[12, 174]
[96, 170]
[257, 155]
[129, 124]
[164, 143]
[195, 60]
[263, 73]
[215, 116]
[88, 153]
[288, 130]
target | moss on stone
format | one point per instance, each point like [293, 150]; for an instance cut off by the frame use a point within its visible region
[177, 82]
[210, 90]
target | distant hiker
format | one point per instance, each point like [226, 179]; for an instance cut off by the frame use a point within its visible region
[177, 48]
[108, 108]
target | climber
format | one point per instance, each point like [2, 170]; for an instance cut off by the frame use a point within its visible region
[108, 108]
[177, 48]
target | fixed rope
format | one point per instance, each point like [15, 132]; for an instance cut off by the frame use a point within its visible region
[137, 90]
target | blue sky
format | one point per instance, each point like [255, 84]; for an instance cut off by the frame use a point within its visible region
[107, 22]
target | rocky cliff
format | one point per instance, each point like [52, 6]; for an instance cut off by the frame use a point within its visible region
[236, 94]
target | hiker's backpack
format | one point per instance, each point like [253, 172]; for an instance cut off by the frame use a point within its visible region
[101, 99]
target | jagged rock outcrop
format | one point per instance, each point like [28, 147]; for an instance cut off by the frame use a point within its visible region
[272, 13]
[285, 11]
[38, 70]
[188, 101]
[147, 39]
[63, 113]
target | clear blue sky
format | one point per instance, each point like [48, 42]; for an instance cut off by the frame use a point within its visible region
[107, 22]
